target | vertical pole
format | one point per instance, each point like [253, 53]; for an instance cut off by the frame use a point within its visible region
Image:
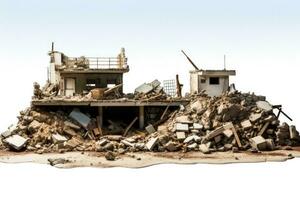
[100, 117]
[141, 117]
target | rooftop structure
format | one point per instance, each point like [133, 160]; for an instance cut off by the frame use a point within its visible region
[79, 75]
[214, 82]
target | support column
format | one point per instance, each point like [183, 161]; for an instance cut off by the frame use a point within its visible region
[100, 116]
[141, 117]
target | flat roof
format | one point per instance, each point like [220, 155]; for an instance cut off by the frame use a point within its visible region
[94, 71]
[107, 103]
[223, 72]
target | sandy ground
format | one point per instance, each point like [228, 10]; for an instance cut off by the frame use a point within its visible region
[137, 160]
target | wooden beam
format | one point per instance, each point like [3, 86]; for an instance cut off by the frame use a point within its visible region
[130, 125]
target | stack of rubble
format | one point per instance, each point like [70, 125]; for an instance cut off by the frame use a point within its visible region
[233, 121]
[150, 91]
[230, 122]
[49, 90]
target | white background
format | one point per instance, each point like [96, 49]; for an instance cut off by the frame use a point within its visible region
[260, 39]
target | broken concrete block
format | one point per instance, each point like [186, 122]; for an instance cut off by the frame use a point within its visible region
[246, 124]
[34, 126]
[264, 105]
[150, 129]
[69, 131]
[71, 125]
[204, 148]
[144, 88]
[197, 126]
[192, 146]
[182, 127]
[57, 138]
[16, 141]
[6, 134]
[258, 143]
[127, 143]
[254, 117]
[184, 119]
[171, 146]
[162, 129]
[102, 142]
[180, 135]
[72, 143]
[228, 133]
[270, 144]
[81, 118]
[151, 143]
[191, 138]
[110, 156]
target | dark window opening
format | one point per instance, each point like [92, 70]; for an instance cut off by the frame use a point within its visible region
[203, 80]
[214, 81]
[92, 83]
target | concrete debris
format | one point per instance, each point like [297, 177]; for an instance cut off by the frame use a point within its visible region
[110, 156]
[71, 125]
[182, 127]
[81, 118]
[57, 138]
[246, 124]
[151, 143]
[204, 148]
[17, 142]
[171, 146]
[231, 122]
[6, 134]
[259, 143]
[264, 105]
[57, 161]
[150, 129]
[181, 135]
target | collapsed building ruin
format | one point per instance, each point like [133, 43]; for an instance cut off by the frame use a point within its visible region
[83, 108]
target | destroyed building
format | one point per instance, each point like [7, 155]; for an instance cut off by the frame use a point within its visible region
[83, 108]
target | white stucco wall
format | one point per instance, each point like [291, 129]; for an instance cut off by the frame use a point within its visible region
[211, 90]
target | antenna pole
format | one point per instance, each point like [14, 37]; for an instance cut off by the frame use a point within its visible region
[52, 47]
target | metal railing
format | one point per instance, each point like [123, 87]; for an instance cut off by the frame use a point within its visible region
[103, 62]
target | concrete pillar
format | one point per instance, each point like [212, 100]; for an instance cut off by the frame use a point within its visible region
[100, 117]
[141, 117]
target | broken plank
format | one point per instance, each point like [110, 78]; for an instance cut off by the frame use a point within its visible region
[165, 112]
[130, 125]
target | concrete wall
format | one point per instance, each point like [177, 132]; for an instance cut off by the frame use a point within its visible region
[81, 80]
[212, 90]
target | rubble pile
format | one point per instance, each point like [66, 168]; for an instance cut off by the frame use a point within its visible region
[232, 122]
[145, 92]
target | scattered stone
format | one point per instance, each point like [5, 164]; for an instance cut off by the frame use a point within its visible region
[57, 161]
[254, 117]
[270, 144]
[110, 156]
